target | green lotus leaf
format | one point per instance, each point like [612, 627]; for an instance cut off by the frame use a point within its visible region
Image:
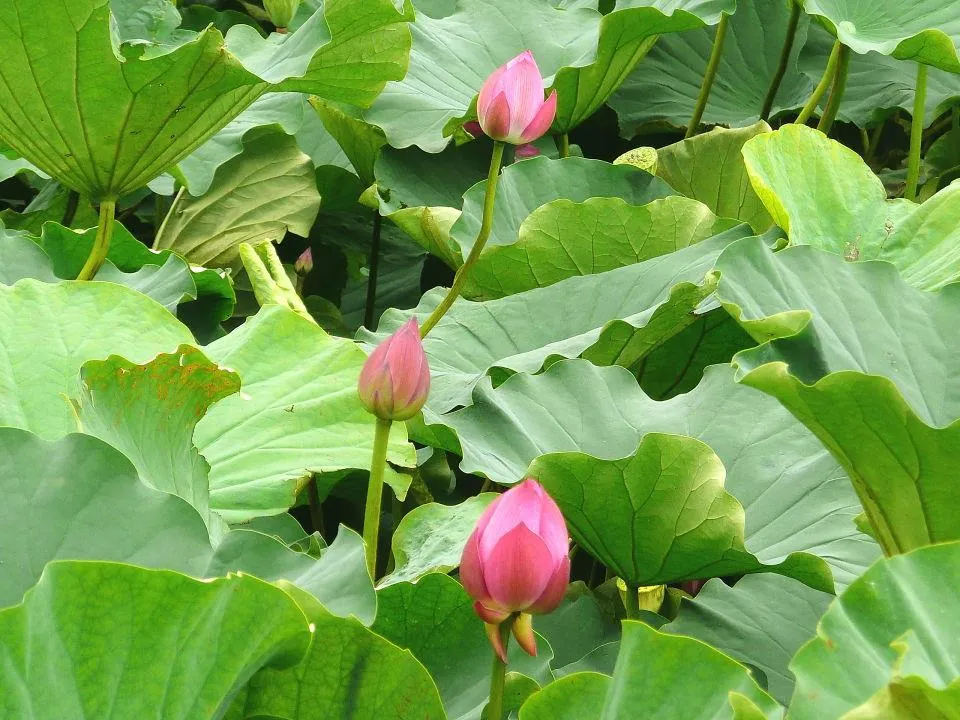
[874, 386]
[926, 31]
[633, 310]
[105, 118]
[751, 53]
[884, 648]
[799, 503]
[791, 170]
[298, 414]
[434, 620]
[88, 640]
[256, 197]
[761, 621]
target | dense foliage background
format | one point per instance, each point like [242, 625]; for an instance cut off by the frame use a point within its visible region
[731, 360]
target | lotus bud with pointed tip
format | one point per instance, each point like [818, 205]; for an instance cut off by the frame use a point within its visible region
[511, 107]
[516, 562]
[395, 379]
[304, 263]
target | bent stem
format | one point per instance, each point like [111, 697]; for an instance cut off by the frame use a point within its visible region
[836, 93]
[784, 60]
[916, 133]
[712, 66]
[486, 224]
[822, 86]
[498, 673]
[374, 267]
[371, 515]
[101, 244]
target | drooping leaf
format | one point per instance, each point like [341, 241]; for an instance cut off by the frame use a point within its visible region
[710, 168]
[349, 671]
[874, 384]
[925, 31]
[632, 310]
[563, 238]
[298, 414]
[751, 53]
[823, 194]
[434, 620]
[88, 640]
[885, 648]
[20, 258]
[762, 621]
[256, 197]
[796, 498]
[90, 321]
[658, 675]
[430, 538]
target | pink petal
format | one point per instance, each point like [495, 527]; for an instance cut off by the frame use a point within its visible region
[519, 505]
[518, 569]
[374, 385]
[495, 120]
[471, 570]
[553, 528]
[553, 594]
[523, 85]
[484, 520]
[526, 151]
[542, 121]
[489, 615]
[523, 632]
[473, 127]
[491, 87]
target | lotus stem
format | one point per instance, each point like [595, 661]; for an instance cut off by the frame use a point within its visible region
[498, 674]
[708, 77]
[371, 515]
[631, 601]
[916, 133]
[771, 96]
[564, 145]
[374, 268]
[836, 93]
[101, 244]
[486, 224]
[822, 86]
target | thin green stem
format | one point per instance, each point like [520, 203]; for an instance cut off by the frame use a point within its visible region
[371, 515]
[316, 506]
[631, 602]
[101, 243]
[374, 267]
[498, 674]
[874, 143]
[784, 60]
[836, 93]
[708, 77]
[486, 224]
[916, 133]
[70, 211]
[564, 145]
[822, 86]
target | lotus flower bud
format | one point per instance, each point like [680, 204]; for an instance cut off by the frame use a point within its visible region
[304, 263]
[526, 151]
[281, 12]
[395, 379]
[473, 127]
[516, 562]
[511, 107]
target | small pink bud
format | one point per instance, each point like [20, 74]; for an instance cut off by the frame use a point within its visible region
[473, 127]
[304, 263]
[511, 107]
[526, 151]
[395, 379]
[517, 561]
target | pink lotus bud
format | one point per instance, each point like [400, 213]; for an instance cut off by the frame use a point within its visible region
[304, 263]
[473, 127]
[395, 379]
[511, 107]
[516, 561]
[526, 151]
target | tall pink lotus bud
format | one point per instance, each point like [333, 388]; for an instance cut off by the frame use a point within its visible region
[517, 561]
[511, 107]
[395, 379]
[304, 263]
